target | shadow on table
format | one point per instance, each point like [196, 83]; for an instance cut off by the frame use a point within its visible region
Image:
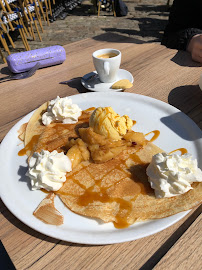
[167, 245]
[6, 71]
[6, 262]
[183, 58]
[76, 83]
[159, 10]
[116, 38]
[187, 98]
[149, 28]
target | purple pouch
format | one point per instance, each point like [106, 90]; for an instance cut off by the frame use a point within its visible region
[23, 61]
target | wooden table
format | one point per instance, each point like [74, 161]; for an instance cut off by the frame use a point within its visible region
[158, 72]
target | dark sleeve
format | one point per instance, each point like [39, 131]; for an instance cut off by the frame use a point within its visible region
[184, 23]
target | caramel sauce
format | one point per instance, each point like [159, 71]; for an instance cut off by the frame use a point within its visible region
[155, 136]
[29, 146]
[122, 220]
[181, 150]
[90, 109]
[45, 191]
[136, 159]
[89, 194]
[125, 206]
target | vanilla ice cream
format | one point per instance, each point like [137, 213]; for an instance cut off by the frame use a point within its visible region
[105, 121]
[172, 175]
[48, 170]
[62, 110]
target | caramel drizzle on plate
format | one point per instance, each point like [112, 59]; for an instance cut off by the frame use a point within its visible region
[29, 146]
[155, 136]
[181, 150]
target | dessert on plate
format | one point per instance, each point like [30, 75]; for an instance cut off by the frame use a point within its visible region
[101, 168]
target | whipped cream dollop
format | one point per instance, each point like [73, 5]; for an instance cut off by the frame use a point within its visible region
[172, 175]
[62, 110]
[48, 170]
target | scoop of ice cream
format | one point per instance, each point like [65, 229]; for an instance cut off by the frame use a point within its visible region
[105, 121]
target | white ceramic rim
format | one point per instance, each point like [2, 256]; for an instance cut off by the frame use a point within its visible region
[106, 50]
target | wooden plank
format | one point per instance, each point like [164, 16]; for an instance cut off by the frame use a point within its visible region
[186, 253]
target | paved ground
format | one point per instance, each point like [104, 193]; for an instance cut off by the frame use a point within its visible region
[146, 21]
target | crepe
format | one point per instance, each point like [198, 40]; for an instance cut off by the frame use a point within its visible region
[47, 212]
[31, 131]
[115, 191]
[51, 137]
[35, 126]
[118, 191]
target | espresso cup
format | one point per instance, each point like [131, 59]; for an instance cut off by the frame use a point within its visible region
[107, 63]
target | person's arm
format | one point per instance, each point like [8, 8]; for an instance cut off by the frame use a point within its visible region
[184, 23]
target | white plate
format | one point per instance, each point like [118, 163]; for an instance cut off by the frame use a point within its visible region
[96, 85]
[177, 130]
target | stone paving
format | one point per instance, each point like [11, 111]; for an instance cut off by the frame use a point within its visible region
[145, 21]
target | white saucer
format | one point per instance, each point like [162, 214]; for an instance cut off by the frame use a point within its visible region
[94, 84]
